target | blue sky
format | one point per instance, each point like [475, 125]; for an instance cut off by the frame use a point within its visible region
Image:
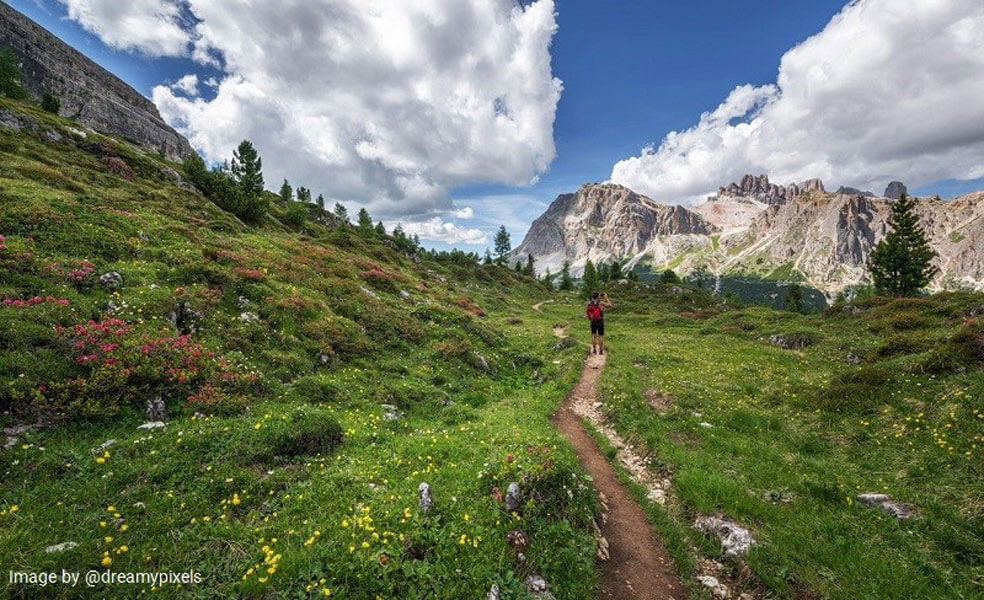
[632, 72]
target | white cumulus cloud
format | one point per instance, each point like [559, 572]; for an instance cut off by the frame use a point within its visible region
[152, 27]
[888, 90]
[375, 103]
[437, 230]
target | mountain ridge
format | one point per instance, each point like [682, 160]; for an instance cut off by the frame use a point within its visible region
[90, 94]
[755, 228]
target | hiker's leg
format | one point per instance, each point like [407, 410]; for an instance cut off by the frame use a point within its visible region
[594, 341]
[601, 344]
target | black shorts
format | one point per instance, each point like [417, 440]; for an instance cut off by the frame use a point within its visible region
[598, 327]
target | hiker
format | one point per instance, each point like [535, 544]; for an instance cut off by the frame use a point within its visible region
[595, 312]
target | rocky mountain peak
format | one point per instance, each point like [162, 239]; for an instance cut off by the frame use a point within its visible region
[758, 188]
[895, 190]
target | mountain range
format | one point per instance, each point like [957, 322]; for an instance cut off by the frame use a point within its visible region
[754, 229]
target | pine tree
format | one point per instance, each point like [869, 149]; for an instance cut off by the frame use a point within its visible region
[794, 298]
[669, 276]
[901, 264]
[321, 201]
[341, 212]
[488, 257]
[548, 279]
[615, 273]
[502, 244]
[365, 222]
[589, 281]
[530, 265]
[10, 76]
[604, 273]
[286, 193]
[380, 229]
[566, 283]
[50, 103]
[247, 169]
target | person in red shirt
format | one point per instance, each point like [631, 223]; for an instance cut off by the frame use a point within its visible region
[595, 313]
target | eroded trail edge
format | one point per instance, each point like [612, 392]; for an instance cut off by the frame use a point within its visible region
[638, 566]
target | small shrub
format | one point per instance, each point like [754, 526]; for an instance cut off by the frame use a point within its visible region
[296, 215]
[50, 103]
[117, 166]
[859, 391]
[303, 433]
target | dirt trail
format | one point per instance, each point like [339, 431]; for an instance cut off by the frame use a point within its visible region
[537, 306]
[638, 567]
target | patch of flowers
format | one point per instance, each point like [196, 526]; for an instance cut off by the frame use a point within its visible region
[120, 365]
[36, 300]
[77, 273]
[250, 274]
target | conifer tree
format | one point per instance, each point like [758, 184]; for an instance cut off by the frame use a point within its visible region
[341, 212]
[502, 244]
[321, 201]
[365, 221]
[380, 229]
[901, 264]
[247, 169]
[10, 76]
[488, 257]
[566, 283]
[286, 193]
[589, 281]
[794, 298]
[530, 268]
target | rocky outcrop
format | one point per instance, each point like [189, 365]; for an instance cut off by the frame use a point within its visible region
[895, 190]
[88, 93]
[849, 191]
[604, 221]
[761, 190]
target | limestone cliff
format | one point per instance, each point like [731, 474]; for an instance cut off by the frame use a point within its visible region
[90, 94]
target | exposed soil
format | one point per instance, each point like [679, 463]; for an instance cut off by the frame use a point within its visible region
[638, 567]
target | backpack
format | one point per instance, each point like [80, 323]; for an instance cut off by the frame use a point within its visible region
[594, 311]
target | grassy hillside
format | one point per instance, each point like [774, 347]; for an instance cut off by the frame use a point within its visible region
[314, 377]
[783, 440]
[312, 381]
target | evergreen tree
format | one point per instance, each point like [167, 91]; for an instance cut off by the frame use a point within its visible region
[303, 195]
[548, 279]
[669, 276]
[615, 273]
[365, 222]
[247, 169]
[901, 264]
[794, 298]
[502, 244]
[604, 273]
[286, 193]
[488, 257]
[50, 103]
[632, 276]
[530, 265]
[380, 229]
[341, 212]
[589, 281]
[10, 76]
[321, 201]
[566, 283]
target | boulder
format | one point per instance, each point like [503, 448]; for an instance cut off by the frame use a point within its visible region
[425, 501]
[717, 589]
[735, 539]
[249, 317]
[156, 409]
[884, 503]
[493, 593]
[185, 319]
[111, 280]
[152, 425]
[792, 341]
[513, 499]
[538, 588]
[62, 547]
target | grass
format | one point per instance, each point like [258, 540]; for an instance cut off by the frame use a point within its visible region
[807, 426]
[281, 472]
[314, 379]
